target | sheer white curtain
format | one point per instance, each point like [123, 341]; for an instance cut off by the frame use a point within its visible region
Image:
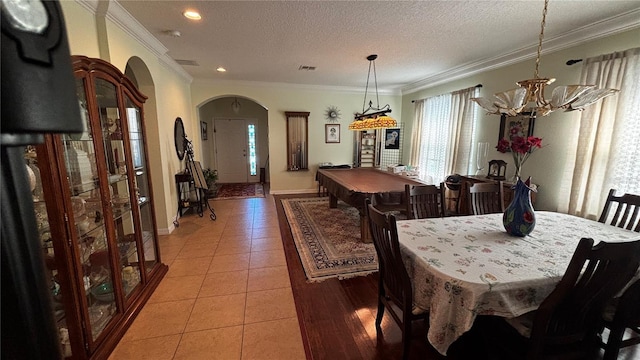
[464, 113]
[442, 137]
[607, 143]
[416, 135]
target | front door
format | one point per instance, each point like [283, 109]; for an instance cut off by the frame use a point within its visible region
[231, 150]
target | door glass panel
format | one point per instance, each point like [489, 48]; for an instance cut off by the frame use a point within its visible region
[251, 134]
[141, 181]
[113, 140]
[87, 215]
[56, 285]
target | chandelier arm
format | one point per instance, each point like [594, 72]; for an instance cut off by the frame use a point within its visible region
[542, 25]
[367, 87]
[375, 78]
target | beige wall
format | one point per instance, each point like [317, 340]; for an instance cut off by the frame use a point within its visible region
[221, 109]
[547, 164]
[279, 98]
[169, 97]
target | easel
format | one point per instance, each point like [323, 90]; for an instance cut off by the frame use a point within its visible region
[195, 170]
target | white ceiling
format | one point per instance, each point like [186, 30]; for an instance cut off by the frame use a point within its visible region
[419, 43]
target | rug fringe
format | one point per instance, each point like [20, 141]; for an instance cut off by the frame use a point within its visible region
[340, 277]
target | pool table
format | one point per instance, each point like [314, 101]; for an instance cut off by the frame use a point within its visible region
[355, 185]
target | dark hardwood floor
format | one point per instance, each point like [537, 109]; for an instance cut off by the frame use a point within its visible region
[337, 317]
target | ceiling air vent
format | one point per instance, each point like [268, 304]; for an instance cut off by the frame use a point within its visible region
[187, 62]
[307, 67]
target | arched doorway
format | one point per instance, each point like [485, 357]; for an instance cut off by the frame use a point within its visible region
[237, 139]
[138, 72]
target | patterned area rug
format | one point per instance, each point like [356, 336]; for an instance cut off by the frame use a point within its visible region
[328, 240]
[239, 191]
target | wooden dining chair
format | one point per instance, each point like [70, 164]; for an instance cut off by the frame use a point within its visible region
[486, 198]
[627, 211]
[568, 321]
[395, 289]
[450, 195]
[620, 315]
[423, 201]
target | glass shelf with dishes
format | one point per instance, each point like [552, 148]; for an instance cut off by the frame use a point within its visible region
[56, 290]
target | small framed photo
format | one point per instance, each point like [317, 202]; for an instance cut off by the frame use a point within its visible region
[392, 139]
[514, 126]
[332, 133]
[203, 130]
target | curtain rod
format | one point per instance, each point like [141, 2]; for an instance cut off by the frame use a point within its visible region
[573, 61]
[478, 86]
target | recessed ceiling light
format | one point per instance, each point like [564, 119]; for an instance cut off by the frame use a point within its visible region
[192, 15]
[221, 69]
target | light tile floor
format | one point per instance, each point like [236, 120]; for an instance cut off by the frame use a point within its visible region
[227, 294]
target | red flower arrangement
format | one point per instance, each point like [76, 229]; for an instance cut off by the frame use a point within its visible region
[521, 148]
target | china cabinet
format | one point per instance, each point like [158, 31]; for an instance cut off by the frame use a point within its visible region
[95, 216]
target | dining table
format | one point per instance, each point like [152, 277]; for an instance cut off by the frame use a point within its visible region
[465, 266]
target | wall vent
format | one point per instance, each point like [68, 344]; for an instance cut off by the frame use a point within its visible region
[187, 62]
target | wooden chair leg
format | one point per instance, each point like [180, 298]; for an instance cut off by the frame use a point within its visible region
[380, 314]
[406, 337]
[613, 344]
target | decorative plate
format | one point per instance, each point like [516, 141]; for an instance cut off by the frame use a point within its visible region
[332, 114]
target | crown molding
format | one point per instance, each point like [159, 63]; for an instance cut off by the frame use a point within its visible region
[324, 88]
[607, 27]
[127, 23]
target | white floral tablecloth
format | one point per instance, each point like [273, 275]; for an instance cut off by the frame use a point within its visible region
[467, 266]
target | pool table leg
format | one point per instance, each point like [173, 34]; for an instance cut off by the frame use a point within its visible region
[365, 232]
[333, 201]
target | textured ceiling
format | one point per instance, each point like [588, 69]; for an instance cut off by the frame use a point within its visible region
[268, 41]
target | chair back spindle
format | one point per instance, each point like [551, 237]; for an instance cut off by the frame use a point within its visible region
[571, 313]
[423, 201]
[486, 198]
[627, 211]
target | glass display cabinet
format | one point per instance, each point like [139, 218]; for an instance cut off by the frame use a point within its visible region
[95, 216]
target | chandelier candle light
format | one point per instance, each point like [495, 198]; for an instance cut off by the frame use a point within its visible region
[530, 95]
[372, 117]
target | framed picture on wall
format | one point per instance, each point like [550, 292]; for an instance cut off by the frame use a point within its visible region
[203, 130]
[332, 133]
[392, 139]
[514, 126]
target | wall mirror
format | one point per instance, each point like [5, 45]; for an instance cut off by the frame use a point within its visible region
[297, 144]
[178, 138]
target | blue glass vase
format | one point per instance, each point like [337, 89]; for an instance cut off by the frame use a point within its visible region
[519, 219]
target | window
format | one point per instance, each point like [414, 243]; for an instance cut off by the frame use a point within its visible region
[443, 141]
[251, 130]
[603, 151]
[435, 138]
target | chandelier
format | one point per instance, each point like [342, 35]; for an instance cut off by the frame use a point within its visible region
[372, 117]
[529, 97]
[235, 106]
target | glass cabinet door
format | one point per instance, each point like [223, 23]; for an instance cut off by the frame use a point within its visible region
[118, 180]
[141, 181]
[87, 217]
[57, 290]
